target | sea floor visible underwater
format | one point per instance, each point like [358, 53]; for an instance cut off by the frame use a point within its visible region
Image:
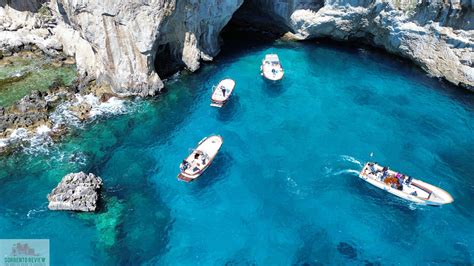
[284, 188]
[20, 75]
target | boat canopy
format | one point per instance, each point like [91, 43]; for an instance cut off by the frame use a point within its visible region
[272, 58]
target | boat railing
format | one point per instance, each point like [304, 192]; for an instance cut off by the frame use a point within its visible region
[423, 188]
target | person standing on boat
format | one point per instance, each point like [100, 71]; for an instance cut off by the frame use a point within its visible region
[372, 168]
[223, 91]
[400, 179]
[385, 173]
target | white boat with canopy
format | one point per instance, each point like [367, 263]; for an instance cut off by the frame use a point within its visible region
[222, 92]
[200, 159]
[404, 186]
[271, 67]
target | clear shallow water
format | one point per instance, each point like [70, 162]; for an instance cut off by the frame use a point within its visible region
[19, 76]
[284, 189]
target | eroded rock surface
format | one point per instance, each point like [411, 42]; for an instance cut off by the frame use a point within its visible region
[132, 42]
[437, 36]
[76, 192]
[129, 44]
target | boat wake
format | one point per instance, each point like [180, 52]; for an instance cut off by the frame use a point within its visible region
[351, 159]
[32, 213]
[346, 171]
[341, 166]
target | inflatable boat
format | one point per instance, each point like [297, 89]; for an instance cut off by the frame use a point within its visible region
[403, 186]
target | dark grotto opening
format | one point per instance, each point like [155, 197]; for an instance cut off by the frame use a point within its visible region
[250, 26]
[167, 60]
[20, 5]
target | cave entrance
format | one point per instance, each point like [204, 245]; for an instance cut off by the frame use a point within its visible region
[251, 26]
[167, 60]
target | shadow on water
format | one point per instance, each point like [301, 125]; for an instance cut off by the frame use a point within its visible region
[227, 112]
[459, 160]
[273, 88]
[318, 248]
[315, 247]
[218, 170]
[377, 196]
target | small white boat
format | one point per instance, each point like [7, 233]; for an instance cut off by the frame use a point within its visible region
[271, 68]
[200, 159]
[222, 92]
[403, 186]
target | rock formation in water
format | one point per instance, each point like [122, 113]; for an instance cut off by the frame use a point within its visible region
[129, 44]
[76, 192]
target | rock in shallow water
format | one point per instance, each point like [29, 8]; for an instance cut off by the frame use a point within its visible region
[347, 250]
[76, 192]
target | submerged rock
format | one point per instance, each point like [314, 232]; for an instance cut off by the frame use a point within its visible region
[347, 250]
[76, 192]
[107, 222]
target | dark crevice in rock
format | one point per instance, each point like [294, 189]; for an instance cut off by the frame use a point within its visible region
[456, 17]
[251, 17]
[167, 61]
[22, 5]
[63, 13]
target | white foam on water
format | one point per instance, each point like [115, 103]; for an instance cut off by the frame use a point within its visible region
[347, 171]
[114, 106]
[351, 159]
[40, 140]
[43, 129]
[3, 143]
[19, 134]
[173, 78]
[294, 188]
[33, 212]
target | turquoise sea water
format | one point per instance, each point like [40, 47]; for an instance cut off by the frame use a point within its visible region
[284, 188]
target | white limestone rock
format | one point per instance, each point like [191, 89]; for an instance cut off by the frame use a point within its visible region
[438, 36]
[125, 43]
[125, 37]
[76, 192]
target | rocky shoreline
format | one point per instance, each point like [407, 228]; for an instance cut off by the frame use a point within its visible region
[40, 114]
[104, 40]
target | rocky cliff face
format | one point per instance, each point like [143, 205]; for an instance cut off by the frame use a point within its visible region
[129, 44]
[436, 35]
[133, 42]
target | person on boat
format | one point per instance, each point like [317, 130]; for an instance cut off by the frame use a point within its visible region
[185, 165]
[372, 168]
[385, 173]
[408, 180]
[198, 154]
[400, 178]
[223, 91]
